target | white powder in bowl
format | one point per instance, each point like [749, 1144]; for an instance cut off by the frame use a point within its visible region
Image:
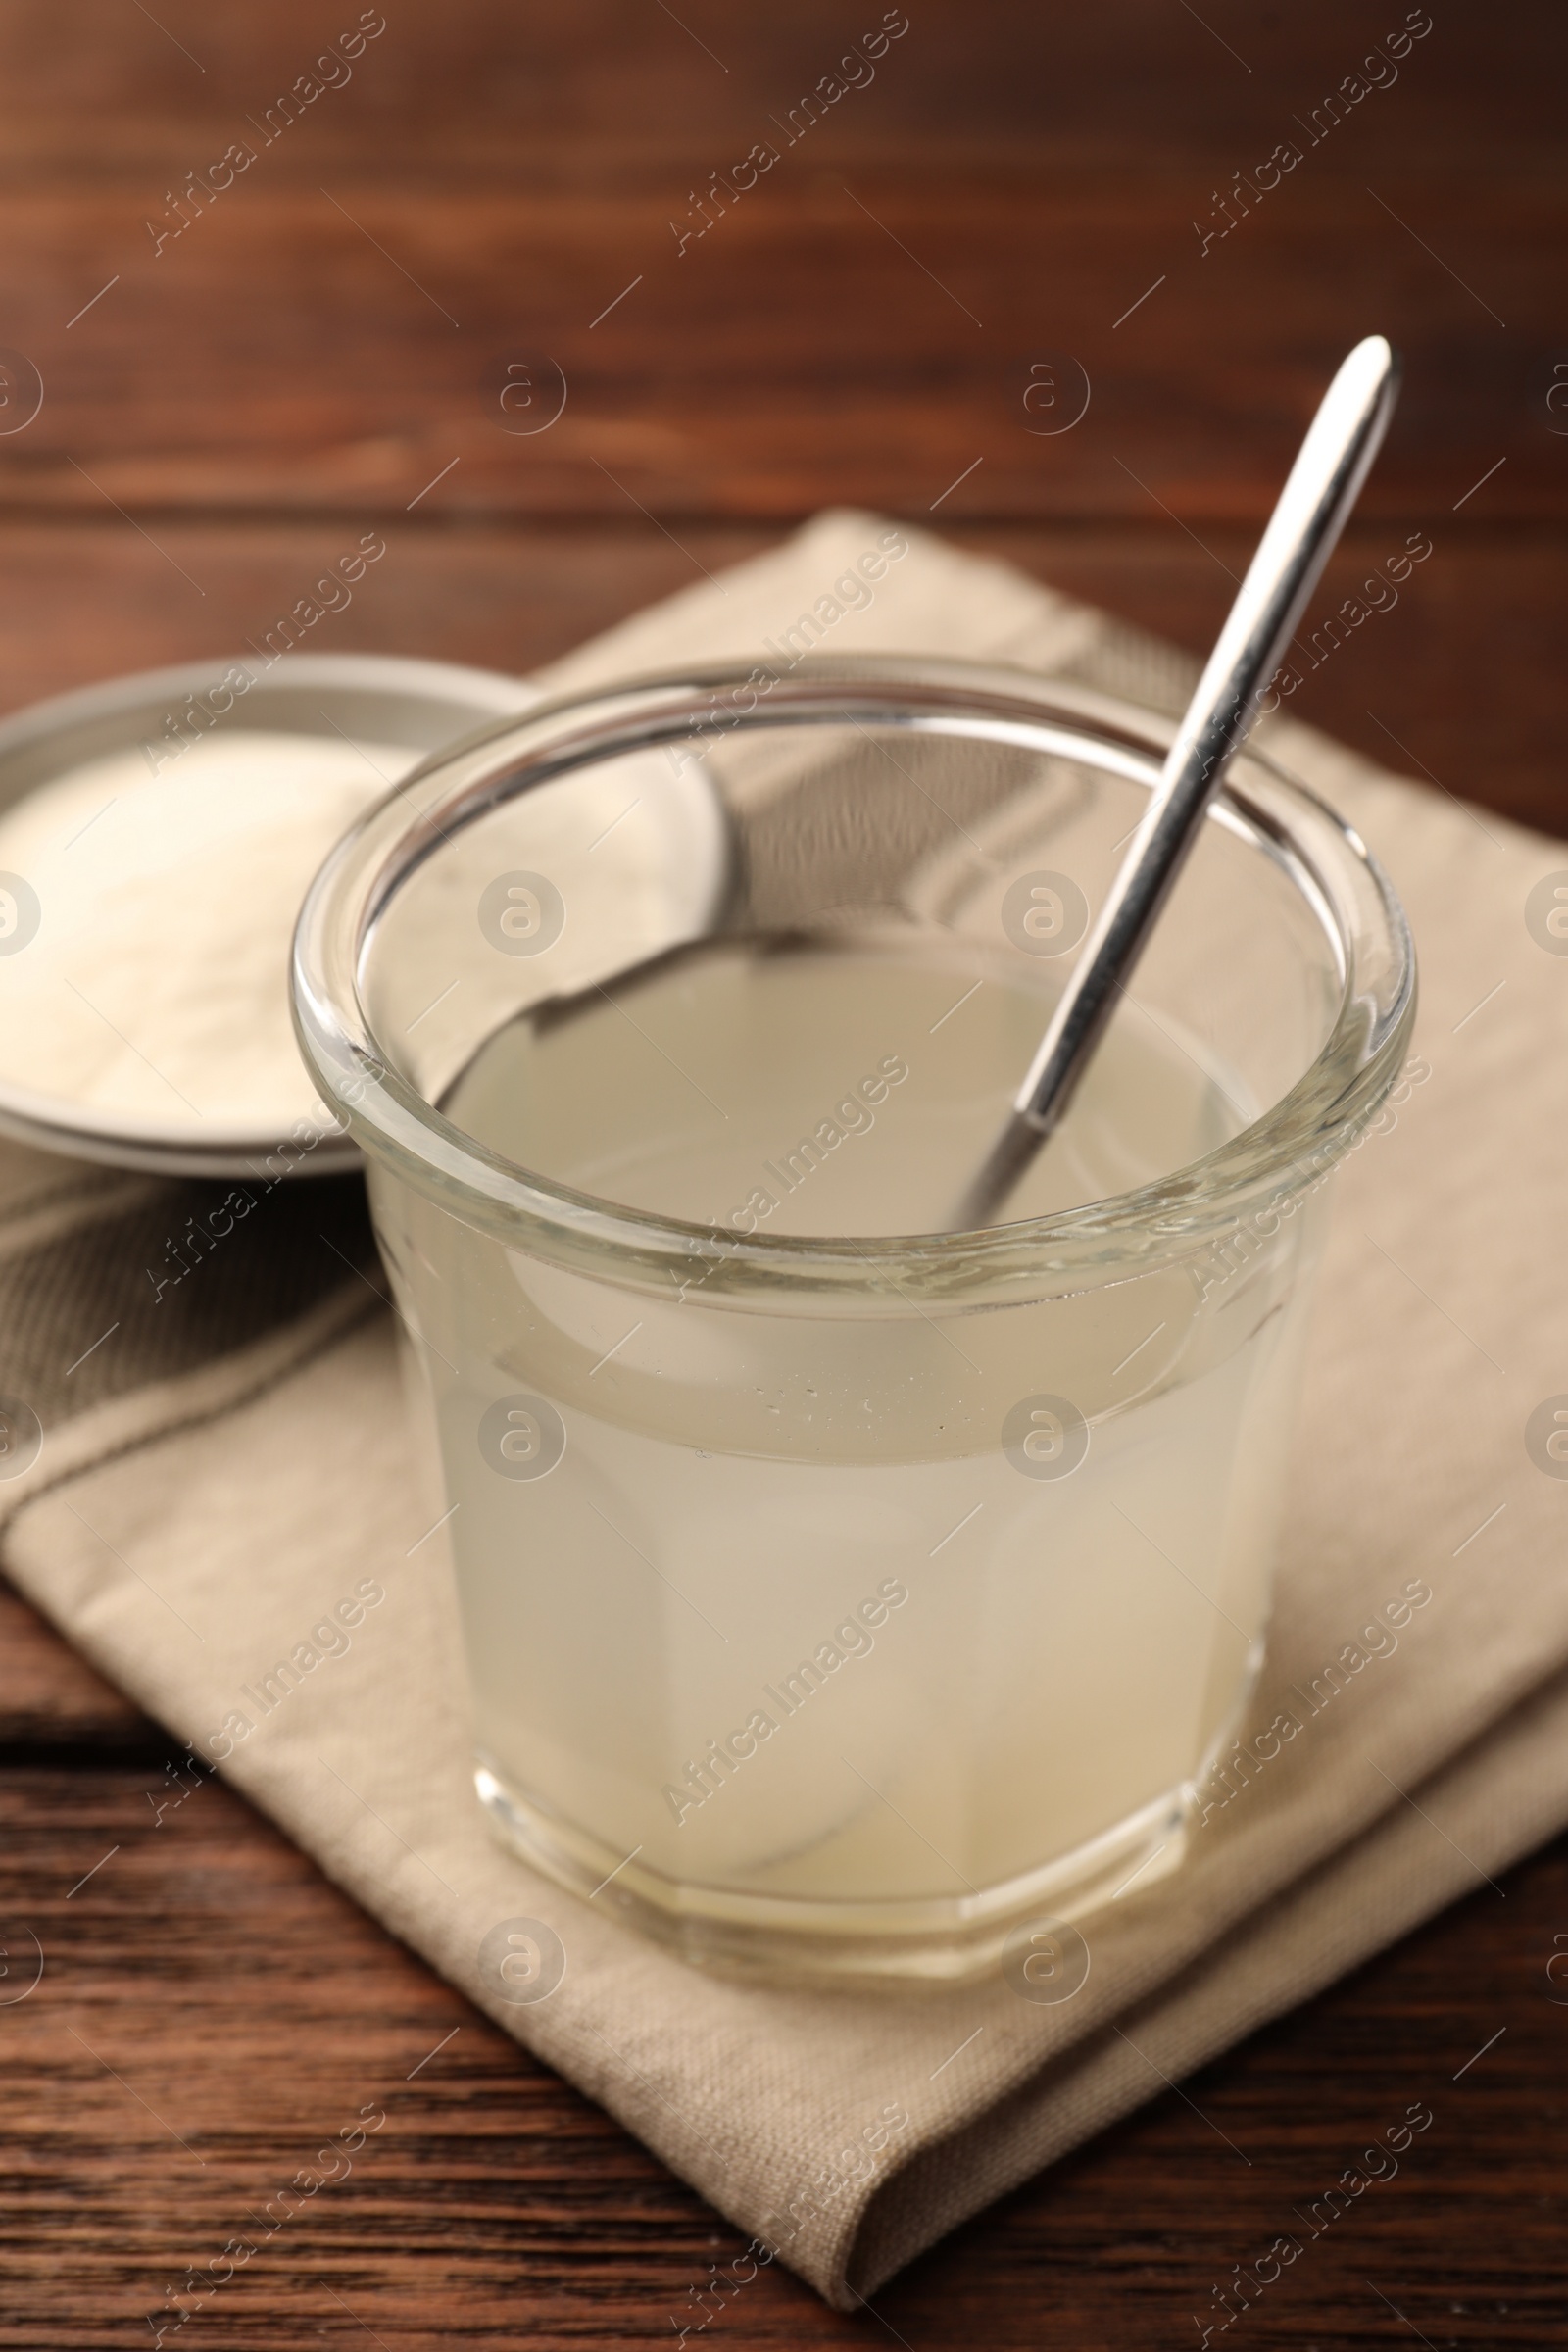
[156, 984]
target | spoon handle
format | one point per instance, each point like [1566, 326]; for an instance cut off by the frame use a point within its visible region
[1323, 485]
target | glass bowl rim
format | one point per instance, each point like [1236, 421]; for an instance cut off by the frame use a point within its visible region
[45, 740]
[1297, 1139]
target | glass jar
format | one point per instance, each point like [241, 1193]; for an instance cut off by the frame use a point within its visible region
[836, 1600]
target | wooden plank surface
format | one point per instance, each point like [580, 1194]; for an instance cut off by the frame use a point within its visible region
[51, 1700]
[338, 324]
[210, 2013]
[325, 347]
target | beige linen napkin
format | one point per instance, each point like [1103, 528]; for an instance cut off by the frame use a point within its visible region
[226, 1483]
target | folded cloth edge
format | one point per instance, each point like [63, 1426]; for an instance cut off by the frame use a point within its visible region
[1100, 2081]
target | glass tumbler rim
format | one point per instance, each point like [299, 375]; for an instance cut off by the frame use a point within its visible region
[1288, 1147]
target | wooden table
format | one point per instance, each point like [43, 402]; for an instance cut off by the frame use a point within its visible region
[481, 197]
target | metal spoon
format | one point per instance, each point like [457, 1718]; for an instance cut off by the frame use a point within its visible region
[1323, 485]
